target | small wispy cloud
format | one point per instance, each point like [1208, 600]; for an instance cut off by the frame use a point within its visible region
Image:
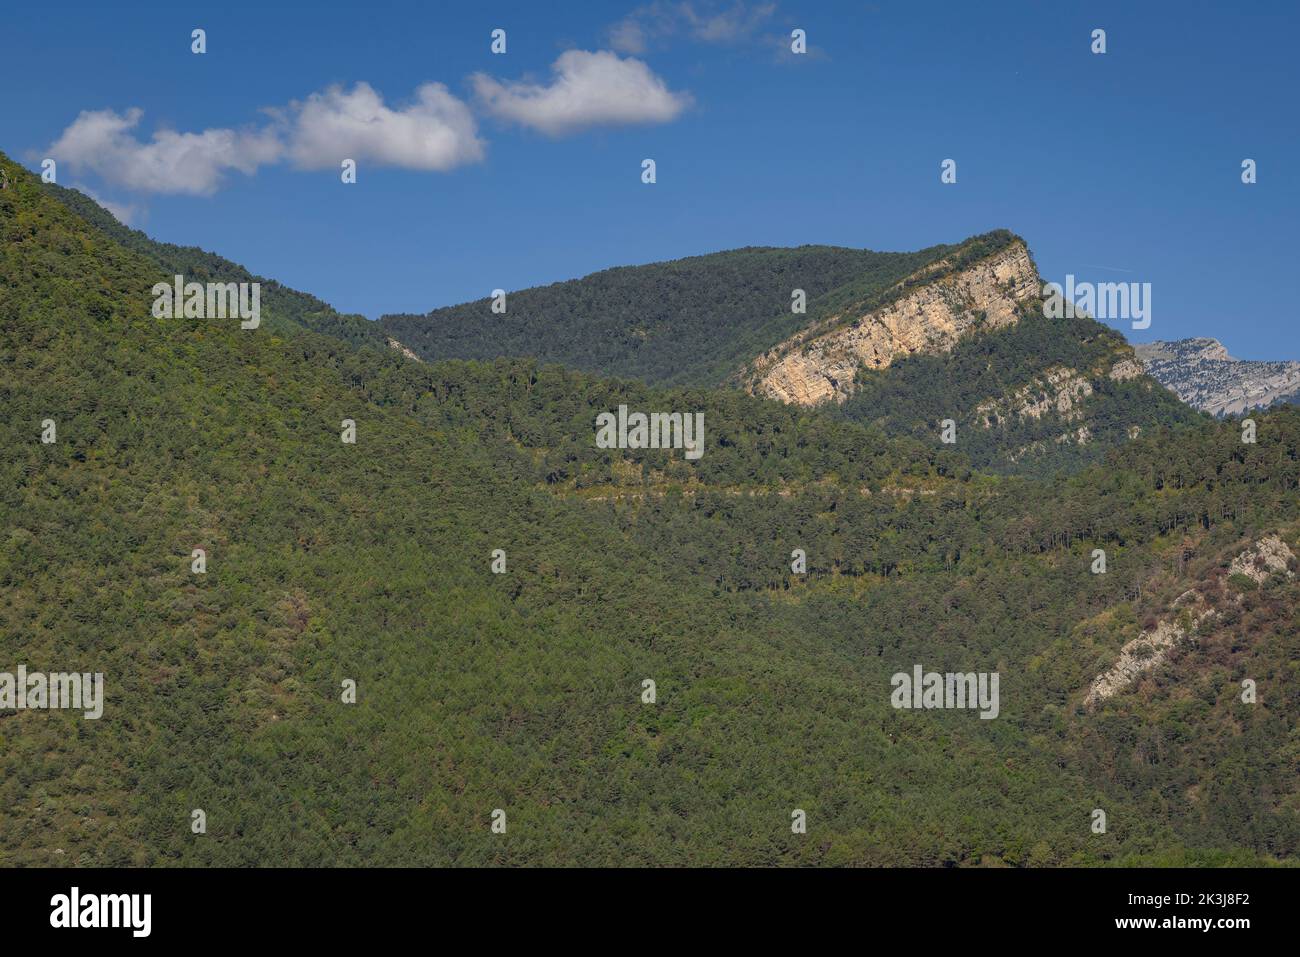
[738, 22]
[587, 89]
[702, 22]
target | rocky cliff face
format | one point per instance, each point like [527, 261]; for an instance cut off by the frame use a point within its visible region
[1202, 374]
[820, 363]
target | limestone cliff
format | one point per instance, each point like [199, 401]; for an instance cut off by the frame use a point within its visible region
[821, 362]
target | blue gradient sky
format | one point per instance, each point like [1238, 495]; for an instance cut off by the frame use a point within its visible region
[1122, 167]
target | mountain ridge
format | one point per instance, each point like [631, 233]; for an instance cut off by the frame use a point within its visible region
[885, 332]
[954, 298]
[1202, 373]
[689, 321]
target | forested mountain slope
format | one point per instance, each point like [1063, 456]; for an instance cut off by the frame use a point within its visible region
[691, 321]
[522, 691]
[903, 340]
[285, 307]
[1030, 395]
[1038, 396]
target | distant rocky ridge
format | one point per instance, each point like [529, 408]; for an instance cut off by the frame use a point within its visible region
[1202, 373]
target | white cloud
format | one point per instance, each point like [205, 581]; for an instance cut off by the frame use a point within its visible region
[196, 163]
[437, 132]
[705, 22]
[588, 89]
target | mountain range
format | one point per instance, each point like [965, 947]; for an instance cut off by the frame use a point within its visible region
[901, 340]
[473, 611]
[1202, 374]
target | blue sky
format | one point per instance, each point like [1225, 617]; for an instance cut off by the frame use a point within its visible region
[1117, 167]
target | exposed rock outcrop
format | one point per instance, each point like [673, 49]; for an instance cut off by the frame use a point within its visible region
[1269, 556]
[821, 363]
[1126, 369]
[1139, 655]
[394, 344]
[1080, 436]
[1202, 374]
[1059, 388]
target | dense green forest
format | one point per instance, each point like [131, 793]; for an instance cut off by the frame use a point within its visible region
[692, 321]
[908, 397]
[287, 308]
[701, 321]
[522, 691]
